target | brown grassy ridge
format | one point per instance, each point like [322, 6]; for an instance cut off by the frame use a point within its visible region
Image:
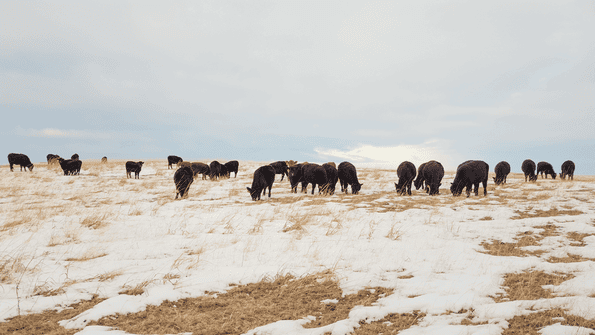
[249, 306]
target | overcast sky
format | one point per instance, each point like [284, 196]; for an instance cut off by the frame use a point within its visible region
[375, 83]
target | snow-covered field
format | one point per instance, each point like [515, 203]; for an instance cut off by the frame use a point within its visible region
[64, 239]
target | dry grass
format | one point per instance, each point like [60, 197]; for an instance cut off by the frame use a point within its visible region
[524, 239]
[87, 256]
[531, 324]
[248, 306]
[47, 322]
[570, 258]
[138, 289]
[538, 213]
[95, 221]
[578, 238]
[528, 285]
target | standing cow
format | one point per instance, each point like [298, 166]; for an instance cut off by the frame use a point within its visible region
[545, 168]
[433, 173]
[567, 170]
[133, 167]
[280, 168]
[171, 160]
[264, 177]
[295, 176]
[332, 177]
[232, 166]
[103, 160]
[406, 173]
[471, 174]
[200, 168]
[20, 159]
[314, 174]
[348, 176]
[52, 159]
[215, 168]
[70, 166]
[528, 168]
[183, 178]
[502, 170]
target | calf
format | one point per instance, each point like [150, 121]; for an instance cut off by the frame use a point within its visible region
[264, 177]
[171, 160]
[52, 159]
[103, 160]
[432, 175]
[280, 168]
[133, 167]
[232, 166]
[502, 170]
[295, 176]
[20, 159]
[406, 173]
[70, 166]
[183, 178]
[201, 168]
[419, 181]
[545, 168]
[348, 176]
[331, 175]
[316, 175]
[215, 170]
[567, 170]
[528, 168]
[470, 174]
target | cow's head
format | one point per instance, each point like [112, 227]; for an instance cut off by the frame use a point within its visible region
[254, 194]
[355, 188]
[30, 166]
[554, 175]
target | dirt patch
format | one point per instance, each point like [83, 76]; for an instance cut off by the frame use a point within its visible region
[532, 323]
[47, 322]
[248, 306]
[528, 285]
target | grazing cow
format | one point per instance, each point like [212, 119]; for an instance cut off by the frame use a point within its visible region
[20, 159]
[528, 168]
[470, 174]
[70, 166]
[314, 174]
[348, 176]
[545, 168]
[183, 178]
[567, 170]
[232, 166]
[502, 170]
[295, 176]
[201, 168]
[419, 181]
[332, 176]
[215, 170]
[52, 159]
[280, 168]
[133, 167]
[103, 159]
[264, 177]
[171, 160]
[406, 173]
[74, 157]
[432, 175]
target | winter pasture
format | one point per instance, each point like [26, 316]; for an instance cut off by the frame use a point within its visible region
[102, 254]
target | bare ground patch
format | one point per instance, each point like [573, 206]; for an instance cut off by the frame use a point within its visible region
[528, 285]
[538, 213]
[390, 324]
[531, 324]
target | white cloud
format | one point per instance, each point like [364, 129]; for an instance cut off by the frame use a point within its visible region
[391, 156]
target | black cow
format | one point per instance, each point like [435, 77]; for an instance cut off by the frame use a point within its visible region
[528, 168]
[502, 170]
[223, 173]
[52, 159]
[316, 175]
[264, 177]
[280, 168]
[545, 168]
[567, 170]
[348, 176]
[469, 175]
[171, 160]
[215, 170]
[183, 178]
[419, 181]
[295, 176]
[406, 173]
[432, 175]
[201, 168]
[332, 176]
[74, 157]
[20, 159]
[103, 159]
[70, 166]
[133, 167]
[232, 166]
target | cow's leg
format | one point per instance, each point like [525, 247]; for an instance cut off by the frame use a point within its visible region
[476, 190]
[270, 187]
[485, 187]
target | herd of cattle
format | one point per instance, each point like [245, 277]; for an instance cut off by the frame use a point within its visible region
[469, 174]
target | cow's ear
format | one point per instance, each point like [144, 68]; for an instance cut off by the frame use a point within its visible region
[249, 190]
